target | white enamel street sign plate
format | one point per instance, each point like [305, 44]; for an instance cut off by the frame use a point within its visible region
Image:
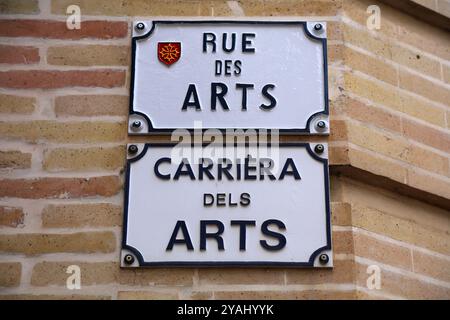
[260, 209]
[229, 75]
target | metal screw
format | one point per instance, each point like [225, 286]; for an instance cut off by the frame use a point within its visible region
[323, 258]
[133, 149]
[140, 26]
[128, 259]
[321, 124]
[318, 27]
[136, 124]
[319, 148]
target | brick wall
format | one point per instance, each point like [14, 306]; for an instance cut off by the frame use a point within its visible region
[63, 114]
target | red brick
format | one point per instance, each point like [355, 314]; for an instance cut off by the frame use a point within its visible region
[43, 79]
[18, 54]
[60, 187]
[58, 29]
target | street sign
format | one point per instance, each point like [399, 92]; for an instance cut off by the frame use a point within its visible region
[229, 75]
[229, 206]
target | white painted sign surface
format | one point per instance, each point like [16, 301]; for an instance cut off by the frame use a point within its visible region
[228, 75]
[284, 211]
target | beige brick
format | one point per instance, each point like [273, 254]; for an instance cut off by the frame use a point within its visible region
[443, 7]
[11, 216]
[366, 113]
[334, 30]
[87, 159]
[100, 273]
[240, 276]
[382, 251]
[75, 132]
[62, 188]
[14, 160]
[338, 155]
[16, 104]
[342, 242]
[197, 7]
[371, 162]
[431, 266]
[434, 185]
[342, 272]
[370, 66]
[156, 276]
[335, 52]
[91, 105]
[200, 295]
[341, 214]
[10, 273]
[82, 215]
[392, 98]
[403, 285]
[53, 297]
[338, 130]
[36, 243]
[367, 41]
[446, 73]
[424, 87]
[285, 295]
[147, 295]
[90, 55]
[19, 6]
[438, 139]
[400, 229]
[414, 59]
[379, 142]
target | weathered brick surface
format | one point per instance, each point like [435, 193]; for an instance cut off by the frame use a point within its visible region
[91, 105]
[10, 273]
[239, 276]
[54, 131]
[342, 272]
[147, 295]
[11, 216]
[97, 273]
[92, 55]
[88, 159]
[18, 54]
[19, 6]
[16, 104]
[58, 29]
[432, 266]
[341, 214]
[35, 243]
[286, 295]
[14, 160]
[46, 79]
[53, 297]
[60, 187]
[81, 215]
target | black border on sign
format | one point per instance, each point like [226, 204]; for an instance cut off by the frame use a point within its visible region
[309, 263]
[152, 130]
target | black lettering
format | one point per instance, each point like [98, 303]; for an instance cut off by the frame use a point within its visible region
[293, 172]
[187, 172]
[243, 231]
[205, 170]
[209, 38]
[192, 91]
[215, 95]
[237, 67]
[247, 42]
[224, 42]
[244, 87]
[245, 199]
[156, 168]
[218, 68]
[281, 238]
[221, 199]
[181, 225]
[224, 170]
[205, 199]
[266, 170]
[266, 94]
[248, 168]
[215, 235]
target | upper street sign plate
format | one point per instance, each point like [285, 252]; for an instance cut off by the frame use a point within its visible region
[235, 206]
[229, 75]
